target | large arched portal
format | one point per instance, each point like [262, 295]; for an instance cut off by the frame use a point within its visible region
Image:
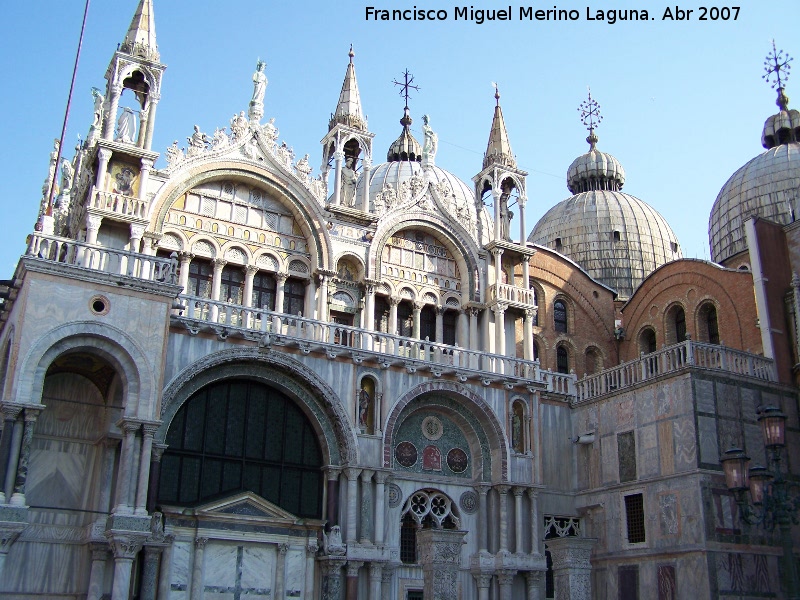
[240, 435]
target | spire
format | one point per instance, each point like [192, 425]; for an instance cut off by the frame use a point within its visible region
[141, 37]
[348, 111]
[499, 148]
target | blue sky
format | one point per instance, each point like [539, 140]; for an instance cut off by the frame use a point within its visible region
[684, 102]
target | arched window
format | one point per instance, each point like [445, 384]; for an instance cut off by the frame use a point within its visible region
[424, 509]
[562, 360]
[200, 276]
[231, 284]
[294, 296]
[405, 319]
[518, 427]
[535, 350]
[449, 327]
[427, 323]
[708, 327]
[241, 435]
[560, 316]
[680, 325]
[263, 291]
[382, 314]
[647, 341]
[536, 304]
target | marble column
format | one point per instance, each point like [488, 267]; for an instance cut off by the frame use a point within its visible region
[7, 443]
[499, 329]
[111, 115]
[249, 274]
[309, 302]
[144, 175]
[151, 121]
[440, 556]
[519, 544]
[366, 165]
[527, 335]
[496, 202]
[462, 329]
[280, 280]
[155, 476]
[503, 491]
[332, 500]
[522, 234]
[198, 591]
[322, 298]
[125, 550]
[393, 302]
[416, 312]
[375, 578]
[280, 571]
[183, 271]
[439, 325]
[571, 567]
[164, 578]
[13, 456]
[483, 581]
[18, 497]
[332, 578]
[152, 559]
[351, 591]
[474, 341]
[122, 503]
[369, 307]
[100, 555]
[505, 578]
[533, 496]
[483, 519]
[103, 156]
[366, 507]
[148, 431]
[380, 505]
[216, 278]
[311, 555]
[387, 577]
[352, 504]
[90, 257]
[337, 177]
[532, 579]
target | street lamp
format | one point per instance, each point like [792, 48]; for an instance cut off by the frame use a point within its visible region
[770, 504]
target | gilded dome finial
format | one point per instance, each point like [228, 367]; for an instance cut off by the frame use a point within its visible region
[591, 118]
[777, 69]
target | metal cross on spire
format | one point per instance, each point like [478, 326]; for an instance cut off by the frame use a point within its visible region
[590, 117]
[590, 112]
[777, 67]
[405, 85]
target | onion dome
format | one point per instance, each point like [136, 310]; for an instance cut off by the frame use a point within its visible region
[768, 186]
[616, 238]
[406, 147]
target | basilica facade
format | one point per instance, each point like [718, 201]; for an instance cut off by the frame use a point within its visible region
[226, 376]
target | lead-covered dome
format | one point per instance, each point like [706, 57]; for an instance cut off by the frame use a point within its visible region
[768, 186]
[615, 237]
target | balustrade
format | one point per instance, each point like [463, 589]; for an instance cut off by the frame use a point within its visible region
[119, 204]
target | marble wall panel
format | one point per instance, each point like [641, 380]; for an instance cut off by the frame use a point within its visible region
[219, 562]
[258, 567]
[669, 514]
[666, 447]
[704, 395]
[295, 572]
[750, 398]
[664, 402]
[180, 570]
[608, 448]
[754, 444]
[692, 577]
[728, 404]
[709, 449]
[649, 458]
[685, 444]
[730, 434]
[645, 400]
[66, 573]
[625, 413]
[738, 573]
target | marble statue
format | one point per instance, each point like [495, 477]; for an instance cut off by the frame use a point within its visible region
[99, 99]
[303, 167]
[259, 83]
[332, 542]
[174, 154]
[126, 126]
[363, 407]
[349, 183]
[220, 139]
[238, 126]
[67, 174]
[271, 131]
[431, 141]
[197, 141]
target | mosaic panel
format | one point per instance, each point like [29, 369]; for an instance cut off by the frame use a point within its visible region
[413, 434]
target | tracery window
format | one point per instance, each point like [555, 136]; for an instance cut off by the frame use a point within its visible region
[424, 509]
[419, 256]
[560, 316]
[242, 435]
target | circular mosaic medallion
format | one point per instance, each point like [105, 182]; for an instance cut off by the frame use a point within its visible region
[469, 502]
[432, 428]
[406, 454]
[395, 495]
[457, 460]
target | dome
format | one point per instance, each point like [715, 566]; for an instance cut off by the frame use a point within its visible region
[616, 238]
[406, 147]
[595, 170]
[767, 186]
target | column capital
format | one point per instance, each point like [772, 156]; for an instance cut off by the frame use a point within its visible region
[32, 413]
[533, 494]
[502, 489]
[483, 580]
[128, 425]
[200, 543]
[382, 477]
[312, 548]
[100, 550]
[366, 475]
[93, 222]
[332, 472]
[518, 491]
[11, 410]
[281, 277]
[375, 571]
[338, 155]
[126, 546]
[418, 306]
[218, 263]
[352, 473]
[394, 300]
[499, 308]
[283, 549]
[150, 429]
[497, 251]
[387, 573]
[251, 269]
[353, 566]
[147, 163]
[483, 489]
[185, 256]
[157, 452]
[506, 576]
[104, 154]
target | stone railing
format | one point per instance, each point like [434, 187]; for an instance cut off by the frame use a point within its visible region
[512, 294]
[671, 359]
[107, 260]
[119, 205]
[386, 349]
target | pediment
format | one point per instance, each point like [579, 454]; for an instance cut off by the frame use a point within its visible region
[245, 505]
